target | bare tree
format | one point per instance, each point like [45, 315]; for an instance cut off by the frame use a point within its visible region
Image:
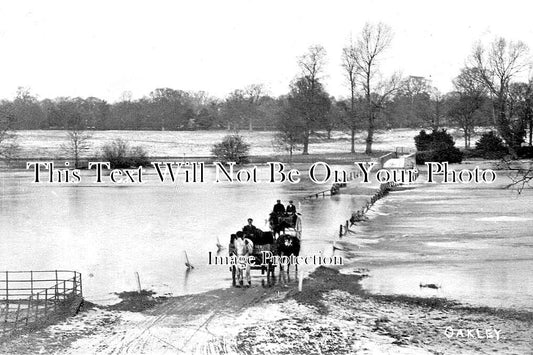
[351, 73]
[466, 102]
[78, 144]
[368, 49]
[495, 67]
[521, 106]
[126, 96]
[290, 130]
[77, 135]
[253, 94]
[312, 63]
[420, 93]
[521, 174]
[383, 92]
[437, 98]
[242, 106]
[309, 91]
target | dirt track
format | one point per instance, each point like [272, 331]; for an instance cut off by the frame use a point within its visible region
[332, 315]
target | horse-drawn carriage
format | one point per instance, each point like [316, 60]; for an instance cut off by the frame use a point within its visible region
[281, 240]
[262, 242]
[280, 222]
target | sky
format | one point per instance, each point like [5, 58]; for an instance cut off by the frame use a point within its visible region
[103, 48]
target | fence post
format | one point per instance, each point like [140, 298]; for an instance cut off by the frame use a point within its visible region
[340, 230]
[64, 289]
[17, 316]
[81, 286]
[29, 309]
[36, 308]
[7, 287]
[74, 285]
[7, 300]
[139, 289]
[56, 296]
[45, 302]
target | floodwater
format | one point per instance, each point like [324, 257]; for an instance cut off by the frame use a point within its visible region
[473, 241]
[110, 231]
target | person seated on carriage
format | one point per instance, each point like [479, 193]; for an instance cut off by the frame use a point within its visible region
[249, 230]
[291, 210]
[278, 209]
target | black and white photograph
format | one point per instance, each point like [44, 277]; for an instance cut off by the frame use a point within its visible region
[266, 177]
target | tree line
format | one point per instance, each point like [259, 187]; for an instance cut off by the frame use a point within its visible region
[486, 92]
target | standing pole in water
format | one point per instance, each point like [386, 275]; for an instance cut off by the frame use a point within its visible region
[187, 262]
[300, 281]
[138, 282]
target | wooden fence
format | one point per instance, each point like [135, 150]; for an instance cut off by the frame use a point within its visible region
[329, 192]
[30, 297]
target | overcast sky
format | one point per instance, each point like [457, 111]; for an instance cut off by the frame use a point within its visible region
[103, 48]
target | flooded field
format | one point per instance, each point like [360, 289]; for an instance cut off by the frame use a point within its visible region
[108, 232]
[47, 144]
[474, 242]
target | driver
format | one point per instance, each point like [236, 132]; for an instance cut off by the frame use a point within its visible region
[249, 230]
[279, 209]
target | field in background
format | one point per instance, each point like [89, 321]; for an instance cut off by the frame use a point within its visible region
[47, 144]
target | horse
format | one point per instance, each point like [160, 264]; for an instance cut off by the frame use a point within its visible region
[278, 223]
[262, 241]
[287, 245]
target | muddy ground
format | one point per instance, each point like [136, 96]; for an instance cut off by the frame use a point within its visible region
[332, 315]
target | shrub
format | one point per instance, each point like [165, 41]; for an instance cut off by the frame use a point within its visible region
[120, 155]
[233, 148]
[490, 146]
[525, 152]
[138, 157]
[438, 146]
[423, 141]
